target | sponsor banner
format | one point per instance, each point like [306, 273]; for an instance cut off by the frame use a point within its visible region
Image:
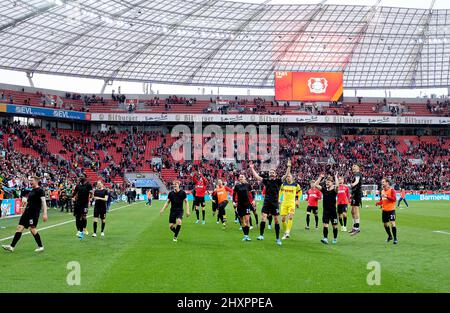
[309, 86]
[131, 101]
[3, 107]
[8, 207]
[415, 197]
[38, 111]
[269, 119]
[428, 197]
[17, 206]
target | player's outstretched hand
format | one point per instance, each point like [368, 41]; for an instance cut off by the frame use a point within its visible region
[188, 213]
[45, 217]
[161, 212]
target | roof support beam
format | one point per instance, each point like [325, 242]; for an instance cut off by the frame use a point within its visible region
[36, 12]
[236, 32]
[171, 29]
[361, 33]
[67, 43]
[422, 39]
[297, 35]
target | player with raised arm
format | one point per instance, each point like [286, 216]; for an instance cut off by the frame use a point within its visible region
[289, 197]
[176, 198]
[30, 216]
[387, 203]
[329, 213]
[270, 205]
[356, 199]
[343, 201]
[200, 184]
[242, 199]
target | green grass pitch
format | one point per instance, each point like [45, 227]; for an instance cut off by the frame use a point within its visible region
[138, 255]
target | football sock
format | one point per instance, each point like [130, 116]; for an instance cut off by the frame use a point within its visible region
[356, 224]
[198, 214]
[335, 232]
[261, 228]
[246, 230]
[345, 221]
[277, 230]
[270, 219]
[203, 214]
[316, 219]
[394, 232]
[37, 237]
[177, 230]
[284, 226]
[16, 238]
[388, 230]
[325, 232]
[251, 222]
[340, 221]
[172, 228]
[256, 218]
[307, 219]
[289, 225]
[103, 226]
[95, 227]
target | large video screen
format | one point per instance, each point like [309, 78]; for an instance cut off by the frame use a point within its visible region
[309, 86]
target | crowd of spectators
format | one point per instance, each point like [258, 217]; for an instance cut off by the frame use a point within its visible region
[423, 166]
[311, 155]
[439, 108]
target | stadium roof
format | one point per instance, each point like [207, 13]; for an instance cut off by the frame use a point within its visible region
[227, 43]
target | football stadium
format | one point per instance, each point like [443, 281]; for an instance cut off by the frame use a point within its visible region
[218, 146]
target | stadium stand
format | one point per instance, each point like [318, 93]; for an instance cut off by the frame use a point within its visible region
[415, 163]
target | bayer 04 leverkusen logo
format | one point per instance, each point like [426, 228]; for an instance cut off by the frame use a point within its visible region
[317, 85]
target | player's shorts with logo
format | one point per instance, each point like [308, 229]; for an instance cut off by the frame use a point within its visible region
[80, 210]
[330, 216]
[270, 208]
[199, 201]
[287, 209]
[313, 209]
[388, 216]
[100, 212]
[342, 208]
[29, 219]
[243, 210]
[174, 215]
[356, 199]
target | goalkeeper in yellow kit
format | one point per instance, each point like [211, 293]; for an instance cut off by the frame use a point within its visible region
[289, 198]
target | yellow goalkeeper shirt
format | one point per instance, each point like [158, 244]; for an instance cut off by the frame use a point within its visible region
[288, 192]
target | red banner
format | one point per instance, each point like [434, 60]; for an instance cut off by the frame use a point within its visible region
[17, 206]
[309, 86]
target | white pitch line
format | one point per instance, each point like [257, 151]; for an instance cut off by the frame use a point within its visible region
[66, 222]
[441, 232]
